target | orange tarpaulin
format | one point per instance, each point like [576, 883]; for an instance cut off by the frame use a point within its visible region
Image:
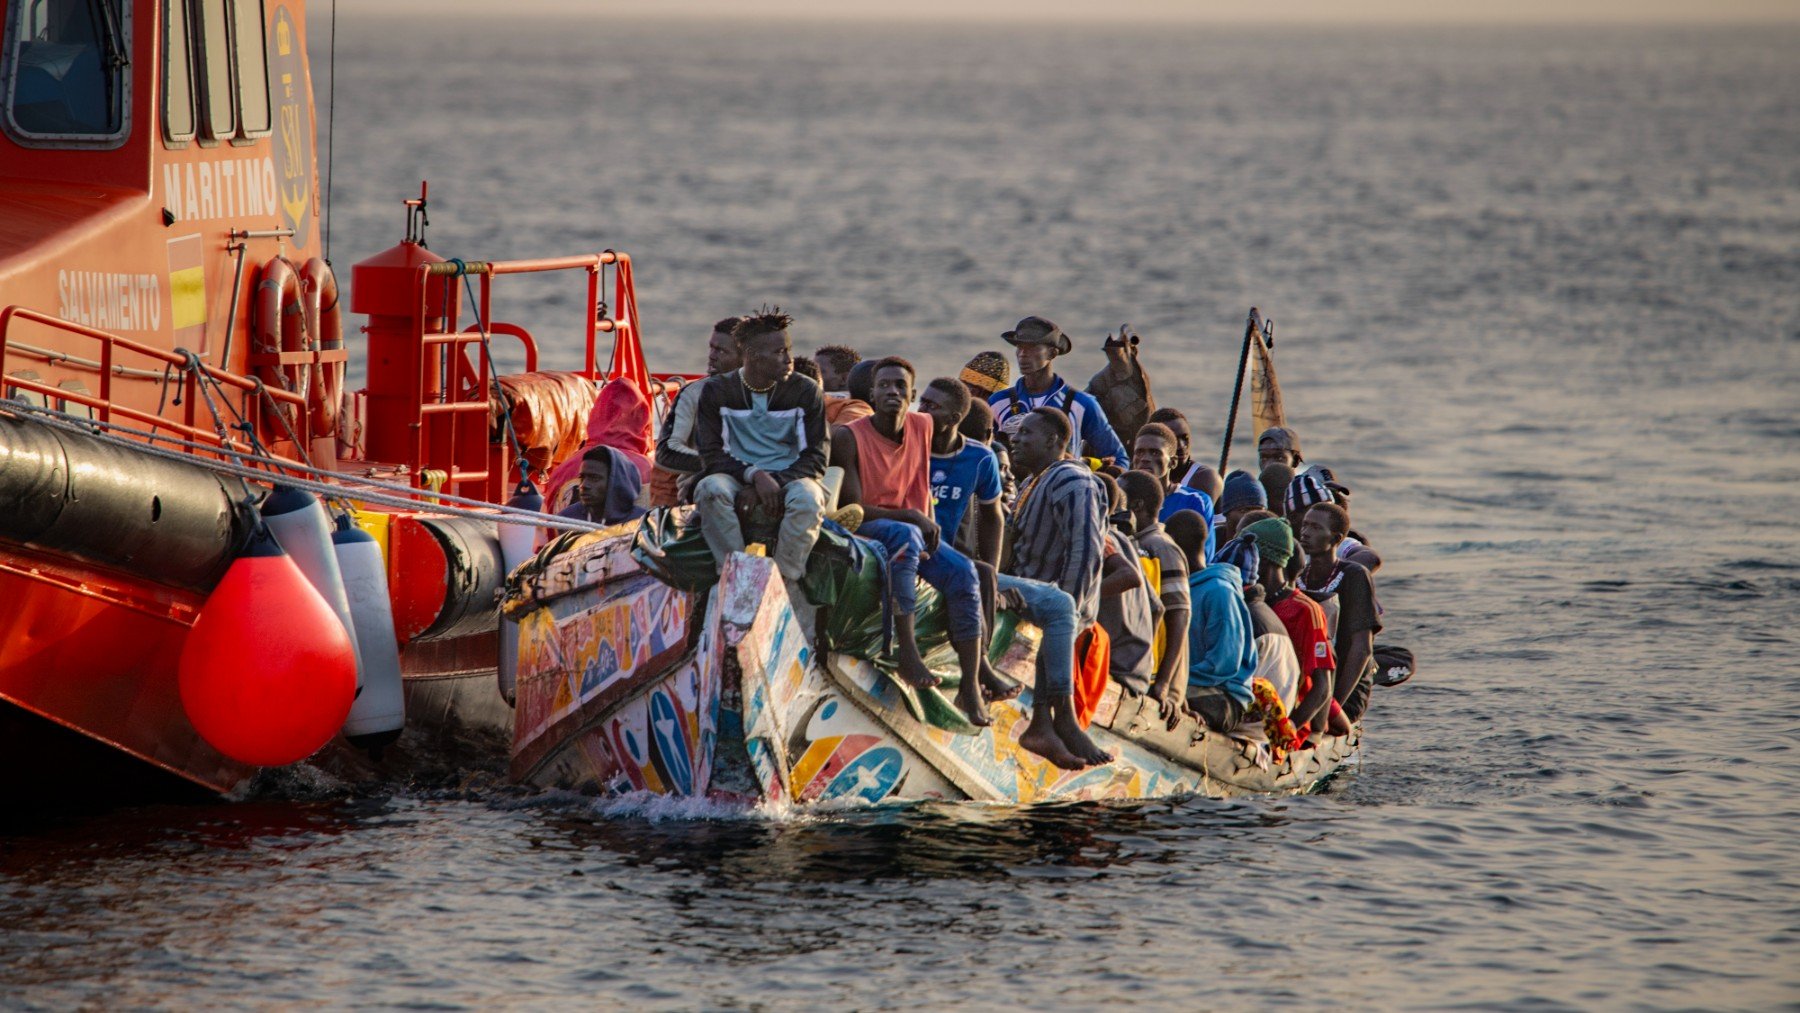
[549, 414]
[620, 419]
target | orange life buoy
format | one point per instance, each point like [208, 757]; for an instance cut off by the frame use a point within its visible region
[318, 286]
[280, 326]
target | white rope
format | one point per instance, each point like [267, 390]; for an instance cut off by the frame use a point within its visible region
[396, 496]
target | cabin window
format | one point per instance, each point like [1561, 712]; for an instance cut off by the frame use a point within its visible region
[251, 61]
[231, 68]
[218, 121]
[178, 74]
[25, 395]
[66, 73]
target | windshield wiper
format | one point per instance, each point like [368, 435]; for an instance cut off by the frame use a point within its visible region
[102, 12]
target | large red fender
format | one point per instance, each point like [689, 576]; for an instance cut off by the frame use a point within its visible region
[280, 326]
[318, 287]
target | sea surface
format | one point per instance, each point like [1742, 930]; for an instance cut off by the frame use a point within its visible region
[1537, 295]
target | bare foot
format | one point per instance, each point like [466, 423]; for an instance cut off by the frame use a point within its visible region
[913, 672]
[997, 687]
[1077, 741]
[969, 701]
[1042, 739]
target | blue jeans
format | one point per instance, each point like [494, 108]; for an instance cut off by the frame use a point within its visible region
[1052, 610]
[946, 569]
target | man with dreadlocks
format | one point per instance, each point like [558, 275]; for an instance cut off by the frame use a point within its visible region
[760, 429]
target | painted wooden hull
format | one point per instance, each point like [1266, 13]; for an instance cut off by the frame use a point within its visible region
[625, 684]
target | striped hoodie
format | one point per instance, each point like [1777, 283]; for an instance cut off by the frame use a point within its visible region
[1058, 534]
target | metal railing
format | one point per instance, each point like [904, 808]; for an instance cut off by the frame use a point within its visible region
[177, 368]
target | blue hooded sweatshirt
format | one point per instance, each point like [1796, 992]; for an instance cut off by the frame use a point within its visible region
[1221, 636]
[622, 487]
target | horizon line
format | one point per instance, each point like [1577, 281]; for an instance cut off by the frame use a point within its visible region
[1546, 13]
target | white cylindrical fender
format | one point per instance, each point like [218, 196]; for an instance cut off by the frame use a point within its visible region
[298, 522]
[379, 714]
[518, 543]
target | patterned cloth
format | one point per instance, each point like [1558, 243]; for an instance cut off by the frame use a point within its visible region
[1059, 534]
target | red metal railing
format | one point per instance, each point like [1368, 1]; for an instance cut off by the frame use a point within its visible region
[106, 365]
[451, 448]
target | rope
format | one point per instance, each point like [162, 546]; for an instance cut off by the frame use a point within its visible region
[398, 496]
[512, 434]
[193, 367]
[330, 133]
[1237, 392]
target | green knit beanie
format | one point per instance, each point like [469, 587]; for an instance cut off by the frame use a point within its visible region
[1274, 539]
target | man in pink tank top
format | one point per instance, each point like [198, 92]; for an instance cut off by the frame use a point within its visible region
[887, 469]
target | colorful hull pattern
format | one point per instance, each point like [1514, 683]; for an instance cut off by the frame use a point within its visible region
[622, 686]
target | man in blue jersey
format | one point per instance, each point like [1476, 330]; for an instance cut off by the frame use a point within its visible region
[1038, 342]
[966, 494]
[964, 473]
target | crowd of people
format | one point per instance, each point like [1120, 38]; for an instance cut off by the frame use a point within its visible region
[1244, 600]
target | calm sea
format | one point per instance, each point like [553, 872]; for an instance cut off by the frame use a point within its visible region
[1538, 301]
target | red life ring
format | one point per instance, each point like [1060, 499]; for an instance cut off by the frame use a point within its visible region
[280, 326]
[318, 286]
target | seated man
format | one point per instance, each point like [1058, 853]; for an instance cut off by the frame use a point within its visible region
[1243, 493]
[607, 488]
[1183, 469]
[1274, 479]
[1129, 607]
[835, 363]
[965, 475]
[1144, 497]
[619, 419]
[1037, 343]
[966, 490]
[887, 469]
[678, 462]
[978, 425]
[1355, 546]
[1305, 623]
[1327, 575]
[1051, 575]
[985, 374]
[1221, 636]
[761, 433]
[1151, 452]
[1275, 659]
[1279, 445]
[861, 383]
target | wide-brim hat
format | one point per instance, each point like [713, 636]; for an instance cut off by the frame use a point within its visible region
[1038, 331]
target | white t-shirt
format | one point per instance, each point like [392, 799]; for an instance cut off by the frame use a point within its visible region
[1275, 662]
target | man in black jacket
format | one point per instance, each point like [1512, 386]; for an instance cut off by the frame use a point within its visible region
[678, 463]
[760, 430]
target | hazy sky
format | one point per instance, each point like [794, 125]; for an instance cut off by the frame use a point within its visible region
[1321, 11]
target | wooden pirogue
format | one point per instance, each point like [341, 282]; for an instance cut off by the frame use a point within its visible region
[626, 684]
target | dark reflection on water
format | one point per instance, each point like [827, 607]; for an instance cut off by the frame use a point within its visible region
[923, 842]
